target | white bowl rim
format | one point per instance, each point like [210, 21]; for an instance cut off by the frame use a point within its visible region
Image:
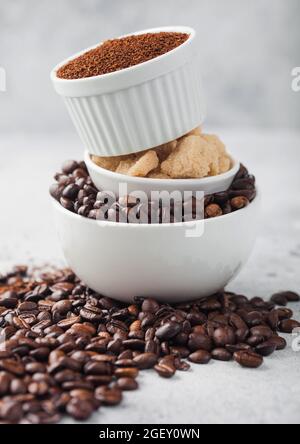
[163, 182]
[177, 28]
[102, 223]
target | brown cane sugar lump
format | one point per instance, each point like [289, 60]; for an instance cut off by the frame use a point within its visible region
[223, 161]
[191, 159]
[195, 132]
[144, 165]
[125, 165]
[108, 163]
[157, 174]
[163, 151]
[117, 54]
[194, 155]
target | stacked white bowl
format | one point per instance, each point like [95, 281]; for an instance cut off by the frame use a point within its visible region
[128, 111]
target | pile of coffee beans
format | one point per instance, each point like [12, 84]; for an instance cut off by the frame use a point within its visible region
[117, 54]
[76, 192]
[65, 349]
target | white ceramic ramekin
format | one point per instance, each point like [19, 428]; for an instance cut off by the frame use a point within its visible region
[125, 260]
[106, 180]
[139, 107]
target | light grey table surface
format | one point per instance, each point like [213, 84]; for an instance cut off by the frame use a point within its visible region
[216, 393]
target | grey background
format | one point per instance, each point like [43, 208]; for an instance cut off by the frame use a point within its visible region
[248, 50]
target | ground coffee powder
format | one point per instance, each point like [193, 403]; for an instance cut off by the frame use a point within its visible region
[117, 54]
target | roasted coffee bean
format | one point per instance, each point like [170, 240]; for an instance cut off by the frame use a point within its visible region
[40, 354]
[196, 318]
[68, 322]
[254, 341]
[221, 354]
[145, 360]
[135, 326]
[182, 366]
[200, 357]
[168, 331]
[109, 396]
[199, 341]
[97, 380]
[254, 318]
[280, 299]
[62, 307]
[248, 359]
[18, 387]
[126, 363]
[38, 388]
[273, 319]
[5, 381]
[134, 344]
[14, 367]
[244, 184]
[288, 326]
[35, 367]
[279, 342]
[11, 411]
[126, 354]
[242, 335]
[238, 347]
[224, 336]
[239, 202]
[127, 384]
[266, 348]
[263, 331]
[151, 347]
[69, 166]
[80, 409]
[115, 346]
[97, 368]
[210, 304]
[83, 395]
[150, 305]
[292, 296]
[165, 371]
[248, 194]
[213, 210]
[104, 358]
[284, 313]
[126, 372]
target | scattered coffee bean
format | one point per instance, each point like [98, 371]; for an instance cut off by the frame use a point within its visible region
[168, 331]
[127, 384]
[200, 357]
[221, 354]
[280, 299]
[80, 409]
[248, 359]
[224, 336]
[165, 371]
[266, 348]
[288, 326]
[200, 341]
[145, 360]
[279, 342]
[68, 349]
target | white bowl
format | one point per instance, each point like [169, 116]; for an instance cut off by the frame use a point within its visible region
[139, 107]
[169, 262]
[109, 180]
